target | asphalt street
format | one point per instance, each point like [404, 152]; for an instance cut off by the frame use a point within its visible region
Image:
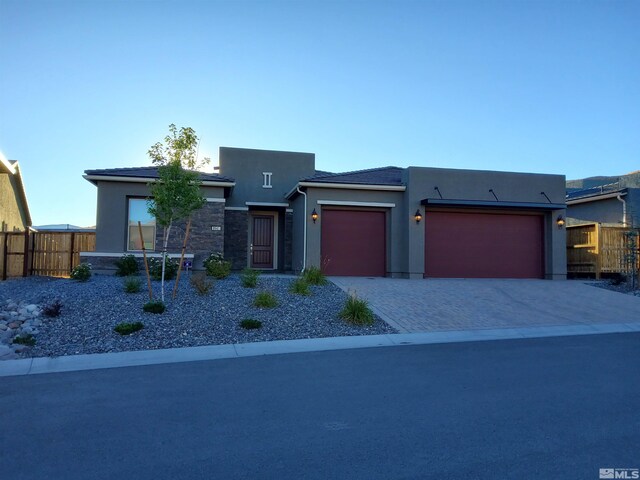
[552, 408]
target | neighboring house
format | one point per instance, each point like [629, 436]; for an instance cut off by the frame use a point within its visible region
[63, 227]
[608, 200]
[14, 210]
[274, 211]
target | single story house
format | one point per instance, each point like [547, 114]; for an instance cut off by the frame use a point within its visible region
[611, 200]
[14, 209]
[273, 210]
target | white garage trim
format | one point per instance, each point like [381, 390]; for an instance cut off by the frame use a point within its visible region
[356, 204]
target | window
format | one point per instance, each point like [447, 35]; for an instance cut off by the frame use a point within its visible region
[266, 179]
[138, 213]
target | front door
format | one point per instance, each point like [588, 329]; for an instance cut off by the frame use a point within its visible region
[262, 241]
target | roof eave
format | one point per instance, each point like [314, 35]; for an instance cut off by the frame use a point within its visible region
[113, 178]
[595, 198]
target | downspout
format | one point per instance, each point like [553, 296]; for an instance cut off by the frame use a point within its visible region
[624, 210]
[304, 235]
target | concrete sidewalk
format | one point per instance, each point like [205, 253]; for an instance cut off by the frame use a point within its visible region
[32, 366]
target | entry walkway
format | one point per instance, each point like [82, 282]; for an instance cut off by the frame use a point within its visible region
[433, 305]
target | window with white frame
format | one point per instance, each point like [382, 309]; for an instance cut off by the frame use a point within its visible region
[266, 180]
[138, 213]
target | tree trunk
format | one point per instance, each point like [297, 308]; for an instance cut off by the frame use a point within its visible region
[164, 258]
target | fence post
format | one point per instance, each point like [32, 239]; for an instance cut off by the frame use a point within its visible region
[4, 256]
[599, 251]
[71, 249]
[25, 250]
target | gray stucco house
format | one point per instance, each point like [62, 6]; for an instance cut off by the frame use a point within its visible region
[273, 210]
[611, 200]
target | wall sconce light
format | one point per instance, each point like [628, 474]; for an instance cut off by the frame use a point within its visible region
[418, 216]
[560, 221]
[314, 215]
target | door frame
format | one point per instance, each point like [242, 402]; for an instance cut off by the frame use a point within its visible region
[263, 213]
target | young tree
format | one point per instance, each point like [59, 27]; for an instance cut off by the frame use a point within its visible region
[176, 193]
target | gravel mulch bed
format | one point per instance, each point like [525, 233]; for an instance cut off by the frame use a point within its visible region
[92, 309]
[620, 287]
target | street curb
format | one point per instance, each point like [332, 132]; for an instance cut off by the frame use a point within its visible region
[71, 363]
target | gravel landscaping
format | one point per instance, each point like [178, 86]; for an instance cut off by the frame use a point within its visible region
[91, 310]
[616, 287]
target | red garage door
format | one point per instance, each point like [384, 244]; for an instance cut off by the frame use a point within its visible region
[483, 245]
[353, 243]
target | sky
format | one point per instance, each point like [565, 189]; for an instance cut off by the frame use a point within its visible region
[531, 86]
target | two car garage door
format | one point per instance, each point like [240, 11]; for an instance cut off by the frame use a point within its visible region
[457, 244]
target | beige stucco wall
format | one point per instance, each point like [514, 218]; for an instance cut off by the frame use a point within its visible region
[12, 215]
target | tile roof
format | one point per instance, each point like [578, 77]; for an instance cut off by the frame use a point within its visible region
[372, 176]
[150, 172]
[573, 194]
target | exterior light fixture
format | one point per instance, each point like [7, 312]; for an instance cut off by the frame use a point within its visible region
[314, 215]
[418, 216]
[560, 221]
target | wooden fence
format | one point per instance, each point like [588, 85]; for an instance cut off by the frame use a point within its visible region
[594, 249]
[51, 254]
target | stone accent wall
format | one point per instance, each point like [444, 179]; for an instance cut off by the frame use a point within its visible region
[106, 264]
[236, 226]
[203, 240]
[288, 241]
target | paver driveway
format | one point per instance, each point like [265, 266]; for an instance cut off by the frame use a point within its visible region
[469, 304]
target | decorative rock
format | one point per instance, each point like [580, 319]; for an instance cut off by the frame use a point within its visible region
[3, 326]
[31, 308]
[7, 353]
[19, 348]
[14, 325]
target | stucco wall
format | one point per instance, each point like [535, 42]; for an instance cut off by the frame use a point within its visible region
[112, 211]
[475, 185]
[396, 230]
[609, 210]
[246, 167]
[604, 211]
[12, 217]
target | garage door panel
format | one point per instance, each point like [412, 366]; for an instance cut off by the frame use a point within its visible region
[353, 243]
[483, 245]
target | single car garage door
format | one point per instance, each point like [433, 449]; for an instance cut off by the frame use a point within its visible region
[483, 245]
[353, 243]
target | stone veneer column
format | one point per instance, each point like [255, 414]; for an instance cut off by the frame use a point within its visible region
[236, 227]
[288, 242]
[206, 234]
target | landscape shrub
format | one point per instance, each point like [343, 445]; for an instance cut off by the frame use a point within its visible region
[25, 339]
[128, 328]
[314, 276]
[201, 283]
[265, 299]
[250, 324]
[154, 306]
[300, 287]
[170, 268]
[216, 266]
[81, 272]
[357, 311]
[52, 310]
[249, 278]
[618, 279]
[132, 285]
[127, 265]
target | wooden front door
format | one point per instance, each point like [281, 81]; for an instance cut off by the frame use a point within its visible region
[262, 241]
